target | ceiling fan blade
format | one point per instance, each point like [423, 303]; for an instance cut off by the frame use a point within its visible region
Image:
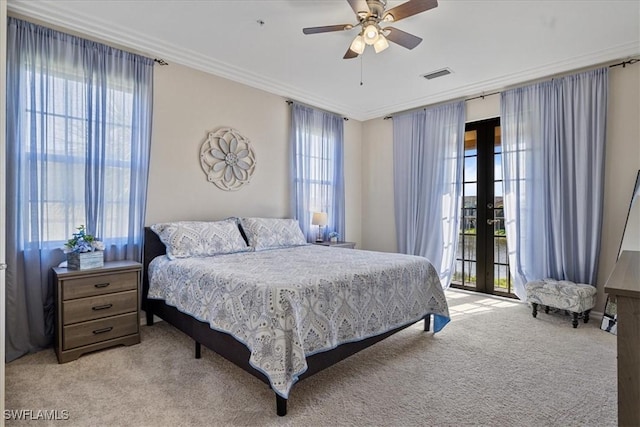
[327, 28]
[350, 54]
[410, 8]
[359, 6]
[402, 38]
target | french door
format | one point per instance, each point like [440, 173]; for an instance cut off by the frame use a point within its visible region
[482, 262]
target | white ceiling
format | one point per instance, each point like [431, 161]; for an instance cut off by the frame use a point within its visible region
[489, 45]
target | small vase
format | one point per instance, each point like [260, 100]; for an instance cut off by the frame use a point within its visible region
[334, 240]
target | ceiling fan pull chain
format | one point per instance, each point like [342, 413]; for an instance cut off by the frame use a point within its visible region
[361, 71]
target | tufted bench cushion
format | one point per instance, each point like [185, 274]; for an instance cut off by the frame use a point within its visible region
[577, 298]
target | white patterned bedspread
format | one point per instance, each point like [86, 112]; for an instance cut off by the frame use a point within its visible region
[285, 304]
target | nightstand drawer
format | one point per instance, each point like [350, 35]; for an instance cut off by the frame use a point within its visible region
[80, 310]
[99, 285]
[99, 330]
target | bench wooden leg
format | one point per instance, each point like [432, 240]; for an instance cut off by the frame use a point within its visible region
[198, 350]
[574, 315]
[586, 316]
[427, 322]
[546, 309]
[534, 307]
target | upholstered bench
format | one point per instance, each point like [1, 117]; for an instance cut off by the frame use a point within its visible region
[577, 298]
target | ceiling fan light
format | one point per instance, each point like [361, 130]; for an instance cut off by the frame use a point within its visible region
[357, 45]
[370, 34]
[380, 44]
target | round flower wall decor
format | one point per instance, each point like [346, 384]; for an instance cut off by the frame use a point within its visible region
[227, 159]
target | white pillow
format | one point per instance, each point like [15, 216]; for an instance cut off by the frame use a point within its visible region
[186, 239]
[270, 233]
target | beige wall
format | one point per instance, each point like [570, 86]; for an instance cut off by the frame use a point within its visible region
[189, 103]
[621, 166]
[378, 219]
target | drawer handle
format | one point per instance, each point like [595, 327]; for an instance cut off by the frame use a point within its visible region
[101, 285]
[103, 330]
[101, 307]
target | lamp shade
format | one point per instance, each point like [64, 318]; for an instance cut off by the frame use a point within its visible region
[380, 44]
[357, 45]
[319, 218]
[370, 34]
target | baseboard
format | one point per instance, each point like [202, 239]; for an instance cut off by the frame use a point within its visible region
[596, 315]
[593, 315]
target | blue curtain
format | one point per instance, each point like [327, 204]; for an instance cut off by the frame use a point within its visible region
[428, 156]
[78, 138]
[553, 139]
[317, 138]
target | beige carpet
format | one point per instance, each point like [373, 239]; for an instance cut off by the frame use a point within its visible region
[493, 365]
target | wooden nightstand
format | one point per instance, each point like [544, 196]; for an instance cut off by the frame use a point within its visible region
[350, 245]
[96, 308]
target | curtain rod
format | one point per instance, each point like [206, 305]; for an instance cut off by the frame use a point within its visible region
[160, 61]
[289, 102]
[623, 64]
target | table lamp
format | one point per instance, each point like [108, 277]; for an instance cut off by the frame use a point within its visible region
[319, 219]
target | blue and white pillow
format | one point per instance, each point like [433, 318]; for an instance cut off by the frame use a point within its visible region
[186, 239]
[271, 233]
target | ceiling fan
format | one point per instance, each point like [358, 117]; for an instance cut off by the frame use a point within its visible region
[371, 15]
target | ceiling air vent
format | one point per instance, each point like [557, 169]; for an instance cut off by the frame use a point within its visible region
[438, 73]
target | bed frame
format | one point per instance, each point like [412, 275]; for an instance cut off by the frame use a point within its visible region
[226, 345]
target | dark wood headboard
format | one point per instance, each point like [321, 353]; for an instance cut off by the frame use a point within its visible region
[153, 247]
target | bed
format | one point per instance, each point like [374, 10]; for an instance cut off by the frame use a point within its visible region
[287, 311]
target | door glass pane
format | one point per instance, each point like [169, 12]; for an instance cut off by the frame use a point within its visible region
[497, 195]
[497, 169]
[470, 169]
[470, 195]
[498, 224]
[500, 254]
[469, 273]
[470, 142]
[469, 248]
[501, 278]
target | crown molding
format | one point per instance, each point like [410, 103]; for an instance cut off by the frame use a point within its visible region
[506, 81]
[141, 43]
[130, 39]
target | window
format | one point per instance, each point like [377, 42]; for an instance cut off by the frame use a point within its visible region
[58, 146]
[78, 134]
[318, 177]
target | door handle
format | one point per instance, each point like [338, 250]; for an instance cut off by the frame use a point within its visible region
[492, 221]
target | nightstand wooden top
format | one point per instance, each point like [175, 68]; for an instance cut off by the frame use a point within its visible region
[108, 267]
[339, 244]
